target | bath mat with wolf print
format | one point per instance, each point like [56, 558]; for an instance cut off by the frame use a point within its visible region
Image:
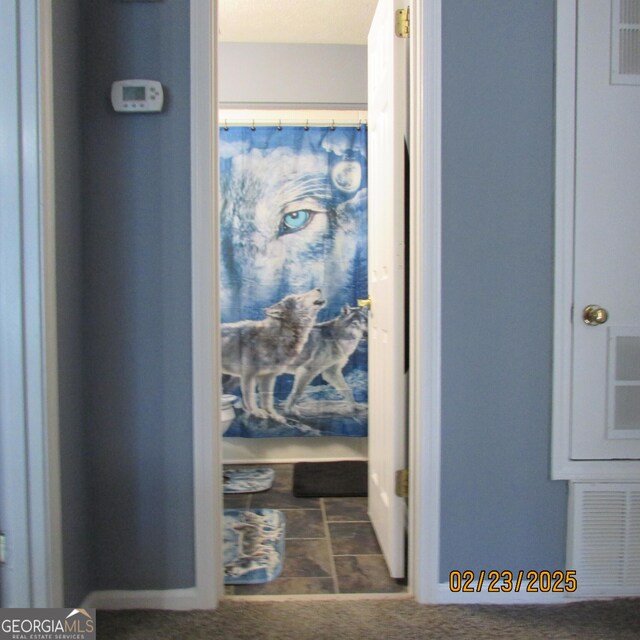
[253, 545]
[243, 480]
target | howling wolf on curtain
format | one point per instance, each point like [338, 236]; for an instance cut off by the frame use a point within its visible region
[293, 233]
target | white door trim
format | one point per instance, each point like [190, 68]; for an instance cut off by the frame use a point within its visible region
[562, 466]
[207, 458]
[45, 483]
[424, 375]
[30, 389]
[425, 130]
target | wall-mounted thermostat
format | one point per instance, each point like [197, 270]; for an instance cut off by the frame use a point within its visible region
[137, 96]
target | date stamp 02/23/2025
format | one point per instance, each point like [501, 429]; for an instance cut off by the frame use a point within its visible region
[513, 582]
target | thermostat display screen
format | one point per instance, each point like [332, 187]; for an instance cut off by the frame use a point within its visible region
[133, 93]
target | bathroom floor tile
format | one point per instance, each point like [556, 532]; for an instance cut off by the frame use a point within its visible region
[346, 509]
[303, 523]
[236, 500]
[281, 499]
[283, 480]
[365, 574]
[306, 558]
[309, 555]
[353, 538]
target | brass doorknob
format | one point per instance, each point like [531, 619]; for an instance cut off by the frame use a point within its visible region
[364, 303]
[594, 315]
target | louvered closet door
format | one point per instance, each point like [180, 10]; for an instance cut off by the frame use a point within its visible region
[606, 356]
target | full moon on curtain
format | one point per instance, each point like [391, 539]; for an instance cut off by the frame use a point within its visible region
[293, 234]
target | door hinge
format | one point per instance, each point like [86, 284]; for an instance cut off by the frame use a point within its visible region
[402, 483]
[402, 23]
[3, 548]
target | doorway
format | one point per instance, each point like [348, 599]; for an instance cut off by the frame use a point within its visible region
[423, 403]
[287, 155]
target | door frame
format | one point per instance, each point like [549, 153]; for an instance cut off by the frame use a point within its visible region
[562, 466]
[424, 316]
[33, 575]
[44, 525]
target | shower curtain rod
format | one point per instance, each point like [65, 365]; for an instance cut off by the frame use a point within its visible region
[225, 123]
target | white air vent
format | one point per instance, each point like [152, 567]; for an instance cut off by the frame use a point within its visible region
[623, 383]
[604, 537]
[625, 42]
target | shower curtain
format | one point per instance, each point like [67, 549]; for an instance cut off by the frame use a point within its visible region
[293, 251]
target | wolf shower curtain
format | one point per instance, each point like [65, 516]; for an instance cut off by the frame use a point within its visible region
[293, 233]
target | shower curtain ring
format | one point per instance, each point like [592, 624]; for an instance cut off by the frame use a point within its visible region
[253, 125]
[306, 126]
[279, 125]
[333, 125]
[226, 125]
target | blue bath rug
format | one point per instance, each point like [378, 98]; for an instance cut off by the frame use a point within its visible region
[245, 480]
[253, 545]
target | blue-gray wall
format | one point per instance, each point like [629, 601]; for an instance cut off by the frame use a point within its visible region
[74, 468]
[499, 508]
[137, 300]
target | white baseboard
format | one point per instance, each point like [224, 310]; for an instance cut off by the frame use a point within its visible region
[172, 599]
[446, 596]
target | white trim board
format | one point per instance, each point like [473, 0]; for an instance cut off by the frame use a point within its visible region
[44, 478]
[29, 392]
[207, 459]
[425, 129]
[562, 467]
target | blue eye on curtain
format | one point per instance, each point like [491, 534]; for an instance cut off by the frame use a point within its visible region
[295, 221]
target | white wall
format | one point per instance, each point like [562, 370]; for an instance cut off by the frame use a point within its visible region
[292, 74]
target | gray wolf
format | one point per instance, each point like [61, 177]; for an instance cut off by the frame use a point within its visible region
[258, 350]
[326, 352]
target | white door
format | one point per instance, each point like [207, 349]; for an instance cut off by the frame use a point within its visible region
[606, 356]
[387, 390]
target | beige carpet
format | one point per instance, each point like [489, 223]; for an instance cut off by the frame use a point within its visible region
[377, 619]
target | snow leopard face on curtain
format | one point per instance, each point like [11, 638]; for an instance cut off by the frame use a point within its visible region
[293, 219]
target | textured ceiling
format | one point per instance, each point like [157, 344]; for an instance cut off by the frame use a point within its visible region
[304, 21]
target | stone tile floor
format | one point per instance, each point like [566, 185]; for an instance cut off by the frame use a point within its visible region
[330, 545]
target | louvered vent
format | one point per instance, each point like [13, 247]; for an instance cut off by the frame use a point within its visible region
[625, 42]
[623, 382]
[604, 544]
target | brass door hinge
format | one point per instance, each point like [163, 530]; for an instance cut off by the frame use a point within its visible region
[402, 23]
[402, 483]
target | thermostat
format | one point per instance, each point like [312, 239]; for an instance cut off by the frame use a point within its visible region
[137, 96]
